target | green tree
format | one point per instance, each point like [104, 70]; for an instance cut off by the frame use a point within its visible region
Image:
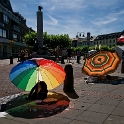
[50, 40]
[29, 38]
[105, 47]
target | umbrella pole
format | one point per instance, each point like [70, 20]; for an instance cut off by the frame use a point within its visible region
[38, 75]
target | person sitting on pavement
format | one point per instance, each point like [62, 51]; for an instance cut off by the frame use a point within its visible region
[39, 91]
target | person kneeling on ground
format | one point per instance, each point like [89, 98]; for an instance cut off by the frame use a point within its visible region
[39, 91]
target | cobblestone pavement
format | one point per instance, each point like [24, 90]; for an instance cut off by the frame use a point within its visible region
[7, 88]
[97, 103]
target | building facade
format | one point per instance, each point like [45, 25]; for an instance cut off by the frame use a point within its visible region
[105, 39]
[12, 30]
[83, 41]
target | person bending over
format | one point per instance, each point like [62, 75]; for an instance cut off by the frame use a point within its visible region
[39, 91]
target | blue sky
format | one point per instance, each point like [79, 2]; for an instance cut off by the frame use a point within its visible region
[72, 16]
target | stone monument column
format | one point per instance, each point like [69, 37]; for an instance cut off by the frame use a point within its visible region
[40, 30]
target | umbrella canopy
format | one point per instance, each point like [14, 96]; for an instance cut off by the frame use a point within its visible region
[121, 38]
[101, 63]
[25, 75]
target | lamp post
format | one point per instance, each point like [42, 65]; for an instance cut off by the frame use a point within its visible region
[80, 34]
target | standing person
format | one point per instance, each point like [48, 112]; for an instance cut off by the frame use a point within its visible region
[57, 53]
[69, 54]
[26, 55]
[19, 57]
[22, 55]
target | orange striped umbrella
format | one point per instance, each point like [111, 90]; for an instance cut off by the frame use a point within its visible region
[101, 63]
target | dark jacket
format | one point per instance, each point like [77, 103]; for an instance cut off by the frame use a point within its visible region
[42, 94]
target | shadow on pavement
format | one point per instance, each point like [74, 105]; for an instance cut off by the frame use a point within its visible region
[113, 80]
[55, 103]
[72, 95]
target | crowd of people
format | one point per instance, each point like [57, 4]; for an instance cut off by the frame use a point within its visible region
[24, 54]
[69, 54]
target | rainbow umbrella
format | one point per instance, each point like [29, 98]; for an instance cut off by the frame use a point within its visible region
[25, 75]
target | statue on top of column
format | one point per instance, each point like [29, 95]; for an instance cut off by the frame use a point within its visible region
[39, 8]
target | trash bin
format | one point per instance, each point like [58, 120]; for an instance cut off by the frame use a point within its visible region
[11, 59]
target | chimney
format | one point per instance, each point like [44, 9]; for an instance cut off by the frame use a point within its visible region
[88, 36]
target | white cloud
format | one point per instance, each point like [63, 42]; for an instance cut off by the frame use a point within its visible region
[64, 4]
[102, 3]
[104, 21]
[54, 21]
[67, 16]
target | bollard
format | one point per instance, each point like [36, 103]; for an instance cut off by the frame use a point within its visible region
[122, 66]
[78, 59]
[62, 60]
[69, 79]
[11, 59]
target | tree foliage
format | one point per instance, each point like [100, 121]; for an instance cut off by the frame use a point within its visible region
[29, 38]
[86, 48]
[50, 40]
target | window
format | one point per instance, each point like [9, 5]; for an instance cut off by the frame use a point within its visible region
[15, 37]
[0, 48]
[2, 33]
[15, 50]
[5, 19]
[20, 39]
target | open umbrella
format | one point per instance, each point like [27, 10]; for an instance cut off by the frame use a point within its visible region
[101, 63]
[25, 75]
[121, 39]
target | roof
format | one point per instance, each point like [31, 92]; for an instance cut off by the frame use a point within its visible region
[85, 39]
[6, 4]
